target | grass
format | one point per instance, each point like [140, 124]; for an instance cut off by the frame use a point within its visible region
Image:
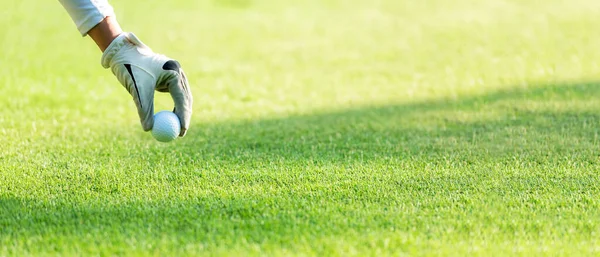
[328, 128]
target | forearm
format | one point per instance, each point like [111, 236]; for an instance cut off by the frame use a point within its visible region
[95, 18]
[88, 13]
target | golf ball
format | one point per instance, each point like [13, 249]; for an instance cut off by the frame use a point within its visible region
[166, 126]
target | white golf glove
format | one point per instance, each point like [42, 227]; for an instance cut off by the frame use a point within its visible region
[142, 71]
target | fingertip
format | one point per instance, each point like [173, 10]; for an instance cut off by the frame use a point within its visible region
[183, 132]
[182, 121]
[148, 124]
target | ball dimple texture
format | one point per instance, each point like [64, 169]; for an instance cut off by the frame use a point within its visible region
[166, 126]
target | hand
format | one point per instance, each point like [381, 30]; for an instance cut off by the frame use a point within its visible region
[141, 72]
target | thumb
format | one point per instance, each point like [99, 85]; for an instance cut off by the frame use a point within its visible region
[180, 92]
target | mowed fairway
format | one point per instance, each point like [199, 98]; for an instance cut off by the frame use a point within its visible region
[320, 127]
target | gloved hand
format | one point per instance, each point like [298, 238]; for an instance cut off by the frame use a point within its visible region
[141, 72]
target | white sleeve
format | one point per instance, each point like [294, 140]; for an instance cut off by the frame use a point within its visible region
[87, 13]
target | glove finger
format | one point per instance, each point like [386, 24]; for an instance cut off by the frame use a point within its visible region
[146, 113]
[141, 88]
[182, 96]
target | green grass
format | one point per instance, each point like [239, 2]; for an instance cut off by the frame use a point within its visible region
[323, 128]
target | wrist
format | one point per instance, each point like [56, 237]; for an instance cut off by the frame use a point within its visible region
[105, 32]
[112, 49]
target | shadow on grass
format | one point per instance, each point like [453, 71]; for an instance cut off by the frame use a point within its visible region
[544, 124]
[562, 117]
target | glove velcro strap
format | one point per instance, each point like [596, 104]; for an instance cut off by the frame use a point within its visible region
[112, 49]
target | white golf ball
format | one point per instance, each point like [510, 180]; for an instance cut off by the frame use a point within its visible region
[166, 126]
